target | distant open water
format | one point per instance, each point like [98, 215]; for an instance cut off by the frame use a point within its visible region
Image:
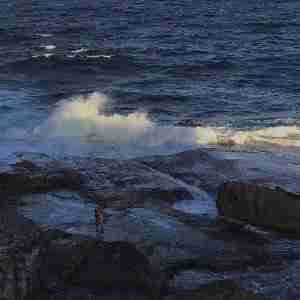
[228, 67]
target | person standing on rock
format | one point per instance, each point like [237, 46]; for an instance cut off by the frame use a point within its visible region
[99, 218]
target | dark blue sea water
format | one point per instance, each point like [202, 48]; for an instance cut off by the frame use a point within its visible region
[92, 70]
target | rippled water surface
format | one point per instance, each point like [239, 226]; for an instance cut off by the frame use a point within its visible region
[224, 66]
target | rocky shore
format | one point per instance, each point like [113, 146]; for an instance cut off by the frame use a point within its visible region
[200, 224]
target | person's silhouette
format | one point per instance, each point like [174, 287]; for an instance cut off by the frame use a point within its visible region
[99, 218]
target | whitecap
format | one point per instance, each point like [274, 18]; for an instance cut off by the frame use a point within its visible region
[81, 50]
[288, 135]
[84, 117]
[45, 55]
[48, 47]
[83, 121]
[106, 56]
[45, 35]
[99, 56]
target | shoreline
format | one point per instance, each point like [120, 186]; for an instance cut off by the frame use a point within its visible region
[188, 250]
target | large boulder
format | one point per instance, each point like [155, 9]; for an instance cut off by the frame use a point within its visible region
[26, 173]
[17, 271]
[260, 204]
[95, 268]
[20, 249]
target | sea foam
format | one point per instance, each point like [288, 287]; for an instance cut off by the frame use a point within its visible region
[45, 55]
[48, 47]
[279, 135]
[81, 50]
[83, 119]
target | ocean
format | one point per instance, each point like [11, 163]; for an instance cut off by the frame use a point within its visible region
[198, 105]
[132, 78]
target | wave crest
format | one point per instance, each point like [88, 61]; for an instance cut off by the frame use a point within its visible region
[279, 135]
[83, 119]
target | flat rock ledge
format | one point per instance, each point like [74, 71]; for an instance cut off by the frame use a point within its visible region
[260, 204]
[116, 183]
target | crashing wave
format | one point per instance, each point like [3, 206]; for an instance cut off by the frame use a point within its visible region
[279, 135]
[85, 118]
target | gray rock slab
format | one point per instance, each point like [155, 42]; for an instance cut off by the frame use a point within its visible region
[208, 170]
[117, 183]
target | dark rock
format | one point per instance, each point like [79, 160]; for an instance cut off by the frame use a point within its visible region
[116, 265]
[68, 268]
[83, 294]
[223, 289]
[260, 204]
[96, 268]
[17, 268]
[117, 183]
[20, 248]
[27, 173]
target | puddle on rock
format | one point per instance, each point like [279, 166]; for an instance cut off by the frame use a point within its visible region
[197, 207]
[63, 210]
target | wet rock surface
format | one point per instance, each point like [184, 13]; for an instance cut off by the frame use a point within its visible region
[195, 167]
[260, 204]
[275, 282]
[221, 289]
[208, 170]
[147, 233]
[95, 268]
[179, 244]
[42, 263]
[30, 173]
[20, 248]
[128, 183]
[116, 183]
